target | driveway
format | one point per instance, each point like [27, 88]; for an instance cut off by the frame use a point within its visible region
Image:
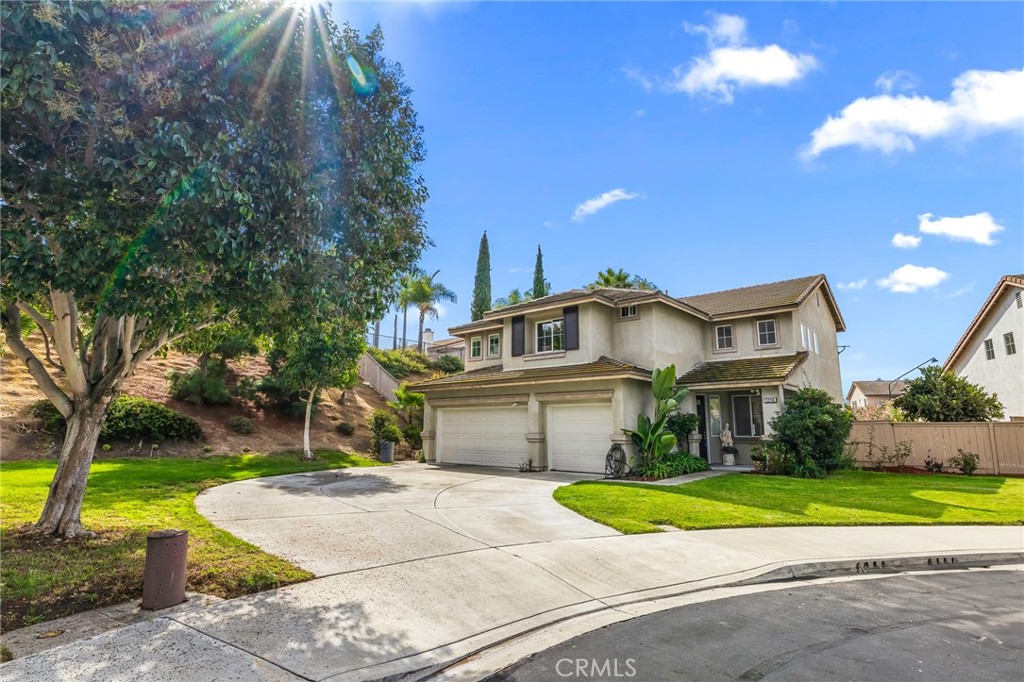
[418, 566]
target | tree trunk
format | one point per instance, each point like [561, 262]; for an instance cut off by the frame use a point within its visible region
[307, 452]
[62, 512]
[405, 327]
[419, 339]
[376, 334]
[394, 338]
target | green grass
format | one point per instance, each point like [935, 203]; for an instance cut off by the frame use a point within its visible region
[848, 499]
[43, 578]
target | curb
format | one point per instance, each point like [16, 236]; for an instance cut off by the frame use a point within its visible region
[581, 623]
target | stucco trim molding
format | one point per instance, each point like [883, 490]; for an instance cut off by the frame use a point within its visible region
[583, 396]
[535, 438]
[472, 401]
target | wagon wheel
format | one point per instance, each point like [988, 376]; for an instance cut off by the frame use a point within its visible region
[615, 462]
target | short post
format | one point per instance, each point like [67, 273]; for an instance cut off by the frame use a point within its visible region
[163, 582]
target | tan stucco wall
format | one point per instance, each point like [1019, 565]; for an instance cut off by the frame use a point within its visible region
[821, 369]
[485, 361]
[1003, 375]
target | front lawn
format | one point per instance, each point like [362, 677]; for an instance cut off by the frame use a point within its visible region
[43, 578]
[853, 498]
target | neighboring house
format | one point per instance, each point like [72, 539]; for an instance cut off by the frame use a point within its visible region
[453, 346]
[555, 380]
[868, 393]
[987, 354]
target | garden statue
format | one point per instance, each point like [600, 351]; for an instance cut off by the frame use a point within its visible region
[726, 436]
[729, 450]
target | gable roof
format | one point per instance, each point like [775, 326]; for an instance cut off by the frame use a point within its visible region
[876, 388]
[603, 368]
[1005, 282]
[773, 295]
[761, 370]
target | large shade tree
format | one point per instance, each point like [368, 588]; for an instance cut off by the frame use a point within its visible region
[170, 165]
[940, 395]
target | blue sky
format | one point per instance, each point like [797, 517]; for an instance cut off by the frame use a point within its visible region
[702, 134]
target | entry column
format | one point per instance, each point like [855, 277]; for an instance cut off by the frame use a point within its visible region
[535, 433]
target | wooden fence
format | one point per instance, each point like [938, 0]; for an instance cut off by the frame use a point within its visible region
[379, 379]
[999, 445]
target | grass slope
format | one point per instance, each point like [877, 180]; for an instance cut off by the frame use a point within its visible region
[44, 578]
[848, 499]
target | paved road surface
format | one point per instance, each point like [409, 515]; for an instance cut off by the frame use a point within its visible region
[960, 627]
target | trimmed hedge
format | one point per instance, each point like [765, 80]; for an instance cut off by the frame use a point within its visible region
[130, 418]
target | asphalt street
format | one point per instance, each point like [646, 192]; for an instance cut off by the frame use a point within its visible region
[956, 627]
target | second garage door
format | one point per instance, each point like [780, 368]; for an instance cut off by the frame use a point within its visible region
[578, 437]
[488, 436]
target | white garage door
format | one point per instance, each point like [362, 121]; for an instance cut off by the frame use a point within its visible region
[488, 436]
[579, 437]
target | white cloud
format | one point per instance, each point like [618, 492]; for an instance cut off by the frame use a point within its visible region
[854, 285]
[595, 204]
[549, 223]
[639, 113]
[637, 76]
[732, 63]
[981, 102]
[908, 279]
[977, 228]
[514, 270]
[896, 81]
[905, 241]
[442, 310]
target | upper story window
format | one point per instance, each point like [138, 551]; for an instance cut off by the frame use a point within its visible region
[723, 337]
[551, 336]
[493, 346]
[1011, 346]
[628, 311]
[803, 336]
[475, 348]
[816, 343]
[990, 351]
[766, 333]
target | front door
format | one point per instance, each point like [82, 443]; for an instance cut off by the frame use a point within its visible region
[702, 426]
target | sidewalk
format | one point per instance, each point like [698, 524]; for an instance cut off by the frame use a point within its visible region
[398, 619]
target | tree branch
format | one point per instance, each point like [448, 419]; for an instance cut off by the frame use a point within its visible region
[65, 333]
[12, 333]
[37, 317]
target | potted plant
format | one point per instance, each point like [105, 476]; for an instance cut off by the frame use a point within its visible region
[729, 453]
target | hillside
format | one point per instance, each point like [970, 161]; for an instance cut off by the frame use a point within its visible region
[23, 439]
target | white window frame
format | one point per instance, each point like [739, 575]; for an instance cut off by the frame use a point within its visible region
[752, 425]
[496, 354]
[732, 338]
[1009, 344]
[539, 337]
[775, 333]
[628, 312]
[816, 350]
[476, 353]
[803, 336]
[990, 350]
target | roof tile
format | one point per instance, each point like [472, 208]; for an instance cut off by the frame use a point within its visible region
[768, 368]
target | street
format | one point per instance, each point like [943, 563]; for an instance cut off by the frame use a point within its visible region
[964, 626]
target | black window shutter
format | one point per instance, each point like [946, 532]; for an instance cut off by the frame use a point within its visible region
[518, 335]
[571, 316]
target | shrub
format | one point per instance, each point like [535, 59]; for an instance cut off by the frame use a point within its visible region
[106, 447]
[682, 424]
[940, 395]
[345, 429]
[412, 435]
[201, 387]
[934, 465]
[966, 462]
[240, 425]
[773, 458]
[449, 364]
[400, 363]
[275, 395]
[383, 427]
[813, 430]
[674, 464]
[903, 451]
[129, 418]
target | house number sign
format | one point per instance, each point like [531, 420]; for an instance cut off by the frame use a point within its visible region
[768, 401]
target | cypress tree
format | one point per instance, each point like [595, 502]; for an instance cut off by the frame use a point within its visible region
[541, 287]
[482, 283]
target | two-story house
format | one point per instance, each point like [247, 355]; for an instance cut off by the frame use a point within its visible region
[987, 354]
[554, 381]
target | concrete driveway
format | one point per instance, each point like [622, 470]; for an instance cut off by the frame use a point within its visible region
[419, 566]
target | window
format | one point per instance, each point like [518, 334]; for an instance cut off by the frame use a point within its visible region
[816, 342]
[1020, 300]
[1011, 346]
[493, 346]
[723, 337]
[715, 414]
[803, 336]
[747, 415]
[766, 335]
[990, 351]
[628, 311]
[474, 348]
[550, 336]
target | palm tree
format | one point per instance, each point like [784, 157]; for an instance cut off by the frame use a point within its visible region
[425, 294]
[405, 292]
[620, 279]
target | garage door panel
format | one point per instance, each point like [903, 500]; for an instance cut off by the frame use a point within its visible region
[578, 437]
[488, 436]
